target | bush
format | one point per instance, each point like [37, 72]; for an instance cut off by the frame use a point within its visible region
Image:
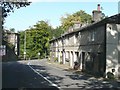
[118, 76]
[110, 75]
[61, 62]
[56, 59]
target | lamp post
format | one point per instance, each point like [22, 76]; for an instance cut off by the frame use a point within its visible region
[45, 54]
[25, 46]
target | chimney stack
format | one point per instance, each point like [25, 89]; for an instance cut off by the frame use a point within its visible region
[97, 14]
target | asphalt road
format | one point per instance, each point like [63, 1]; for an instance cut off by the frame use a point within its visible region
[40, 74]
[20, 75]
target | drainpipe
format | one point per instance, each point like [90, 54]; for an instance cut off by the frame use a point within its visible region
[63, 50]
[104, 75]
[58, 55]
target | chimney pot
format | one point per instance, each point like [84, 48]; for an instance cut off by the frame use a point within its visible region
[98, 8]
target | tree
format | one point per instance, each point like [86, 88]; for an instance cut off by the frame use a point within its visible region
[37, 39]
[9, 6]
[57, 32]
[12, 29]
[80, 16]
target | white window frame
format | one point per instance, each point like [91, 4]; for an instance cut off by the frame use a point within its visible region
[92, 35]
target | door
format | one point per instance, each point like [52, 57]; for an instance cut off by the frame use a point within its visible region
[83, 61]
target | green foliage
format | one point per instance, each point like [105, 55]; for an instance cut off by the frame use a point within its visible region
[57, 32]
[11, 46]
[80, 16]
[85, 18]
[12, 29]
[56, 59]
[61, 62]
[38, 36]
[37, 40]
[9, 6]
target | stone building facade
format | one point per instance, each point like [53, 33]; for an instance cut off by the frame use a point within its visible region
[9, 49]
[14, 39]
[96, 47]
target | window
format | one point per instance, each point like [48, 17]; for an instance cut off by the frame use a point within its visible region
[54, 44]
[76, 38]
[79, 35]
[66, 40]
[92, 35]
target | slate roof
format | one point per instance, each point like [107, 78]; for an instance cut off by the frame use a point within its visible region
[112, 19]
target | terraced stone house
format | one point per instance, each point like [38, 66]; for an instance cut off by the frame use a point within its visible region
[96, 47]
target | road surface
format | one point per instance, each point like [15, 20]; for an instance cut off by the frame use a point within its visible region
[41, 74]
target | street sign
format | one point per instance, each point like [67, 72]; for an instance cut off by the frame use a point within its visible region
[2, 50]
[39, 53]
[24, 52]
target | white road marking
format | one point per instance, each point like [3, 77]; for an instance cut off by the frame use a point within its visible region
[43, 76]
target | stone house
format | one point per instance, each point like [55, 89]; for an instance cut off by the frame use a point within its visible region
[96, 47]
[10, 52]
[14, 39]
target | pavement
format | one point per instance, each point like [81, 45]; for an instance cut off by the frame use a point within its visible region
[115, 82]
[56, 64]
[67, 68]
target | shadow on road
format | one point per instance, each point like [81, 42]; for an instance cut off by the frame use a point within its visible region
[91, 82]
[44, 71]
[19, 76]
